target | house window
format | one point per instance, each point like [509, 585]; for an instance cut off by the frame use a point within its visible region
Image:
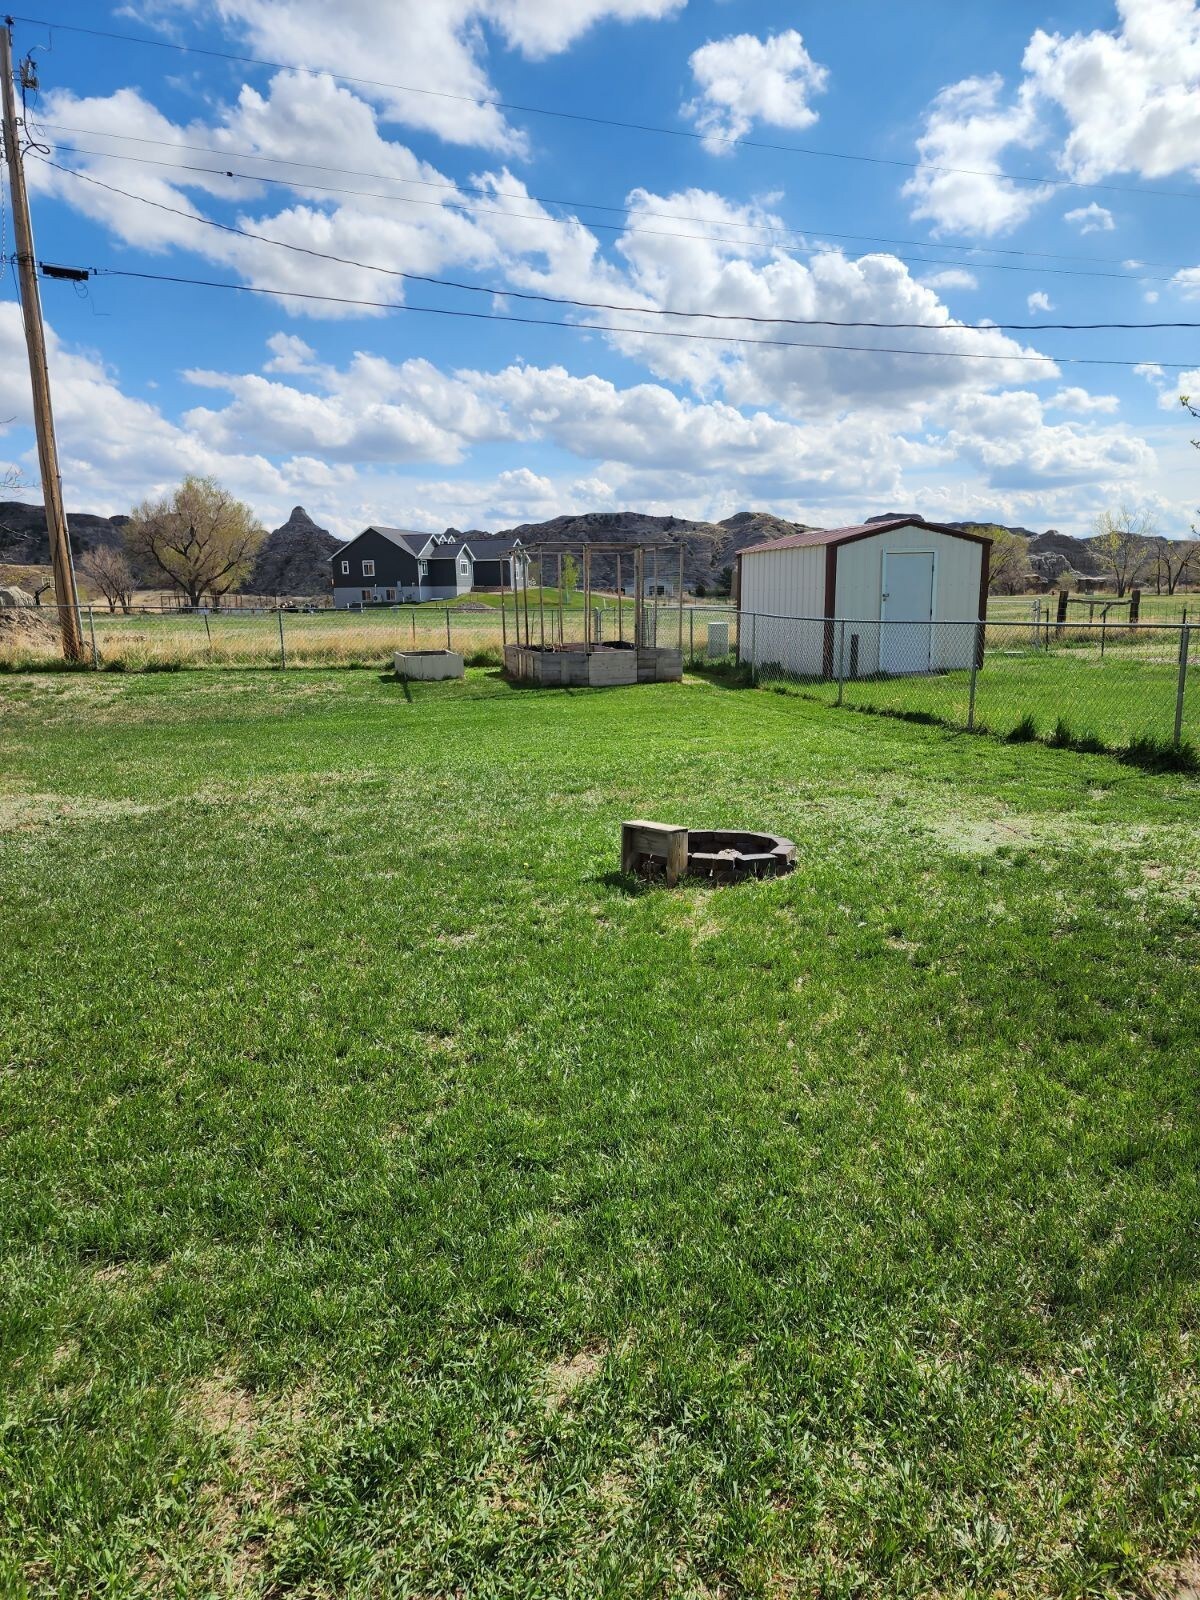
[346, 568]
[366, 594]
[368, 569]
[423, 569]
[462, 565]
[389, 594]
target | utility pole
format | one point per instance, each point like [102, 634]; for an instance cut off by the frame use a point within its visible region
[35, 341]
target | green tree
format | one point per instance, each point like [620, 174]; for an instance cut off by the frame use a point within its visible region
[1009, 571]
[570, 573]
[198, 537]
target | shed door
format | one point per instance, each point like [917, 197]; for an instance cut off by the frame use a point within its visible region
[907, 611]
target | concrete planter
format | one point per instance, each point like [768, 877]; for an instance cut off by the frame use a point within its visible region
[428, 665]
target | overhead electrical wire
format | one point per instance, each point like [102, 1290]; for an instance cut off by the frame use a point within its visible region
[972, 246]
[604, 327]
[599, 121]
[600, 305]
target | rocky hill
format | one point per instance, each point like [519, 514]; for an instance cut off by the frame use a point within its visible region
[294, 559]
[24, 539]
[708, 547]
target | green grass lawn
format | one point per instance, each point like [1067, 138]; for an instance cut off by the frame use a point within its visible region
[395, 1201]
[1127, 695]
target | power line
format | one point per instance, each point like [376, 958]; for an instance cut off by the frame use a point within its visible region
[594, 305]
[547, 200]
[603, 327]
[604, 122]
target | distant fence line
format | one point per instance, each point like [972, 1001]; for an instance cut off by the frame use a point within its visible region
[1102, 685]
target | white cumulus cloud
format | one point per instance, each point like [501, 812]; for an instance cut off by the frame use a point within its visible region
[970, 128]
[1129, 97]
[1091, 218]
[744, 79]
[951, 278]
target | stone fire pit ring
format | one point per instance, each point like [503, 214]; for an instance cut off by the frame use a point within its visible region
[730, 853]
[725, 855]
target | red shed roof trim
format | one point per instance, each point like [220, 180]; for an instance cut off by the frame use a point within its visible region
[861, 530]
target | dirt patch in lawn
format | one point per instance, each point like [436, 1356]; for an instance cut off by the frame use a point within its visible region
[255, 1436]
[563, 1379]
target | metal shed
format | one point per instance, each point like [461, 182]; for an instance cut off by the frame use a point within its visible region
[901, 596]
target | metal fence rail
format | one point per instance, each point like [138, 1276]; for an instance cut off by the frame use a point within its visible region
[148, 639]
[1099, 685]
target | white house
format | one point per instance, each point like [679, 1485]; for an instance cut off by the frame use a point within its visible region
[899, 596]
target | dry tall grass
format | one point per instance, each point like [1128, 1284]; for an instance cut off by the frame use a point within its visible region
[328, 638]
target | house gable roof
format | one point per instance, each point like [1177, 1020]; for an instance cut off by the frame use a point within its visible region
[409, 540]
[860, 530]
[437, 546]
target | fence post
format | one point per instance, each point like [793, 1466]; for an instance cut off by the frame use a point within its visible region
[841, 658]
[414, 626]
[753, 651]
[447, 627]
[1185, 634]
[282, 646]
[95, 652]
[208, 636]
[975, 655]
[691, 635]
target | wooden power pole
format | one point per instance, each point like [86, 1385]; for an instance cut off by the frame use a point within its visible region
[35, 340]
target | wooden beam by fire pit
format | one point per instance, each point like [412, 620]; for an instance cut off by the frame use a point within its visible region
[645, 843]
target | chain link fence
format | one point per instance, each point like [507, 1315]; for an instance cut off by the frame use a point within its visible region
[152, 640]
[149, 639]
[1100, 685]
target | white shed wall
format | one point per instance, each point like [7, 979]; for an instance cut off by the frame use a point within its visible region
[777, 587]
[956, 572]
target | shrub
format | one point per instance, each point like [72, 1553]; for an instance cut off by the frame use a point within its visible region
[1161, 755]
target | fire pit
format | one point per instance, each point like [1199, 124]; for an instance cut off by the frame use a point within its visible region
[658, 850]
[728, 853]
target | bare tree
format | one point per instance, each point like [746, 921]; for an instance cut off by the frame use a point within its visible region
[198, 537]
[1174, 559]
[109, 570]
[1009, 571]
[1125, 543]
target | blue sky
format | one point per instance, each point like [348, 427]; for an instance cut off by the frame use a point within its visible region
[427, 421]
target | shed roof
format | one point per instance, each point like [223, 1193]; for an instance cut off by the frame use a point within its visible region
[860, 530]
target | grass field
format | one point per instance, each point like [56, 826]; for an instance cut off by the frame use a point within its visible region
[226, 638]
[1165, 608]
[1070, 694]
[397, 1201]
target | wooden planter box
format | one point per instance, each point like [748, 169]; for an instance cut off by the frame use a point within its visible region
[595, 669]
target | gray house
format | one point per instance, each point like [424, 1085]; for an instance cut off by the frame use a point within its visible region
[385, 565]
